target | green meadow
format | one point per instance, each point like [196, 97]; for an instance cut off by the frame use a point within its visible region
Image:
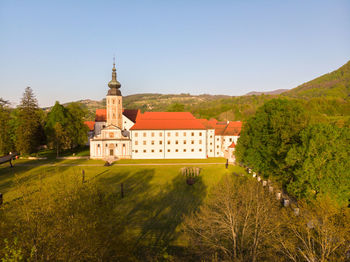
[156, 197]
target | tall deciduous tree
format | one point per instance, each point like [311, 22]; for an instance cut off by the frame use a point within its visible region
[29, 132]
[267, 137]
[76, 127]
[237, 223]
[321, 163]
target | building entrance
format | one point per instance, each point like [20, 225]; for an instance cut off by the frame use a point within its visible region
[111, 152]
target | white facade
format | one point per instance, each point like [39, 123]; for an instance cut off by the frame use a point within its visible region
[110, 144]
[169, 144]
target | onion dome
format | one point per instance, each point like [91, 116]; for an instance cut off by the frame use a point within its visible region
[114, 85]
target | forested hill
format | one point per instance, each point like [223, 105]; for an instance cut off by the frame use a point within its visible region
[335, 84]
[327, 95]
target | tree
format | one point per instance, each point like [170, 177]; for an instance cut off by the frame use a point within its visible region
[71, 125]
[29, 132]
[321, 163]
[267, 137]
[76, 127]
[176, 107]
[6, 143]
[320, 233]
[237, 223]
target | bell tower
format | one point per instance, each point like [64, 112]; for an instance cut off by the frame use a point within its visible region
[114, 101]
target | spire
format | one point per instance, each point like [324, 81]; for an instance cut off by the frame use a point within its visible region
[114, 85]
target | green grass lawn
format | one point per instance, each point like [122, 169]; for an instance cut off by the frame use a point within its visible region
[156, 197]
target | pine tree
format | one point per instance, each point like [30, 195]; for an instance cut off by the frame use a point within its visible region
[6, 144]
[29, 131]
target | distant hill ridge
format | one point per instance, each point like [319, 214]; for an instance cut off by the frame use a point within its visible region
[274, 92]
[335, 84]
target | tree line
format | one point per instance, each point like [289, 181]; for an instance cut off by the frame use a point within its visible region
[27, 128]
[308, 158]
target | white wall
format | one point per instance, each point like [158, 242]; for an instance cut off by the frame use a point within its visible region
[168, 144]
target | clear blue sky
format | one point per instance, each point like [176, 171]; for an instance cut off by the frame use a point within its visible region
[64, 49]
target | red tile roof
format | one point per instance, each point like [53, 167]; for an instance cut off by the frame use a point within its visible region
[90, 124]
[101, 115]
[208, 124]
[167, 121]
[232, 145]
[167, 115]
[167, 124]
[132, 114]
[233, 128]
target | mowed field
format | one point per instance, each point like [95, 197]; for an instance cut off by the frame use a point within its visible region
[156, 197]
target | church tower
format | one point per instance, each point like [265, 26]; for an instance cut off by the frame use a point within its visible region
[114, 101]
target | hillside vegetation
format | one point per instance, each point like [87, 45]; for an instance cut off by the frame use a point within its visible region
[326, 97]
[334, 84]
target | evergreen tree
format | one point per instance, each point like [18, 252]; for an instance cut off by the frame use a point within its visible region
[6, 143]
[29, 133]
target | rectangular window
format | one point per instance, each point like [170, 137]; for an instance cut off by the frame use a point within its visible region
[98, 145]
[152, 150]
[184, 142]
[211, 136]
[176, 150]
[217, 146]
[123, 145]
[136, 151]
[177, 134]
[160, 150]
[211, 150]
[230, 139]
[144, 142]
[184, 133]
[200, 133]
[192, 142]
[176, 142]
[152, 134]
[192, 150]
[217, 139]
[200, 150]
[144, 134]
[136, 134]
[192, 134]
[211, 143]
[184, 150]
[136, 143]
[168, 142]
[160, 142]
[152, 142]
[160, 134]
[168, 133]
[144, 151]
[200, 142]
[168, 150]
